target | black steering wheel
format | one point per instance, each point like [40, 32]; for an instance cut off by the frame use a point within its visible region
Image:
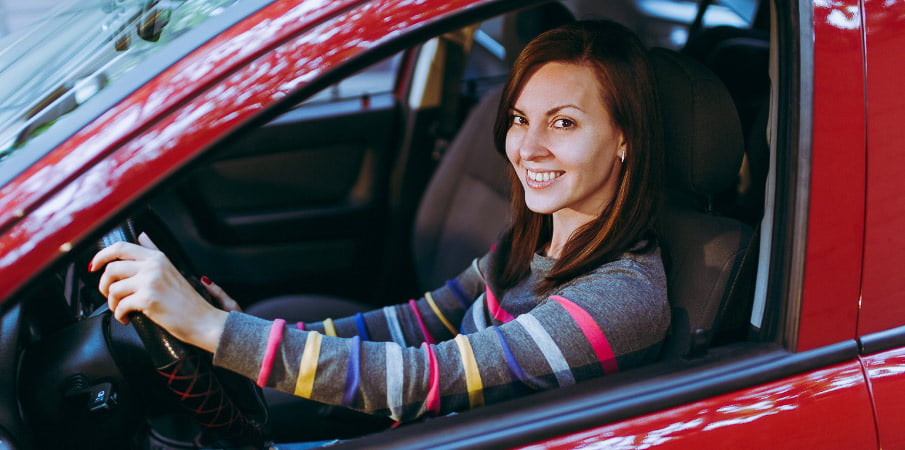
[230, 408]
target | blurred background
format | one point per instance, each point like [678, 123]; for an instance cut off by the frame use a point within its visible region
[18, 14]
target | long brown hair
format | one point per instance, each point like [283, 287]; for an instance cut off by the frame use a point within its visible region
[621, 63]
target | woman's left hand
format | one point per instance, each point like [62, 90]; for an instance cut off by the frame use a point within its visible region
[140, 278]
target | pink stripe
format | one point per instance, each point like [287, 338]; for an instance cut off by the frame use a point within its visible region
[273, 341]
[300, 326]
[427, 335]
[592, 333]
[495, 309]
[432, 402]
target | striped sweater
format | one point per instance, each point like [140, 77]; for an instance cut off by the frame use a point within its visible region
[462, 345]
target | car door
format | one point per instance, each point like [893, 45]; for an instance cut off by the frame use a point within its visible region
[881, 320]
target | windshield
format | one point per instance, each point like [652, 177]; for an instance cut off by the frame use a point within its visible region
[53, 67]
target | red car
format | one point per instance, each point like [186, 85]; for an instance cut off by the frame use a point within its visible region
[295, 146]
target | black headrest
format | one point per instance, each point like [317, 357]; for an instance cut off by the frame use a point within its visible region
[701, 130]
[521, 27]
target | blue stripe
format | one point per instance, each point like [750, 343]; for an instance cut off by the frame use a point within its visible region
[514, 368]
[528, 382]
[362, 330]
[353, 374]
[453, 285]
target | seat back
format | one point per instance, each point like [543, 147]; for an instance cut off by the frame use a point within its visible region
[466, 204]
[704, 251]
[740, 57]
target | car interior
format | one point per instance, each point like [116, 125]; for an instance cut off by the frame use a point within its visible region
[386, 183]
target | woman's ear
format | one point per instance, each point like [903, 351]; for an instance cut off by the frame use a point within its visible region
[622, 147]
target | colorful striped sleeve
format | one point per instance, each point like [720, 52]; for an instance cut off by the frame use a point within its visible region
[604, 325]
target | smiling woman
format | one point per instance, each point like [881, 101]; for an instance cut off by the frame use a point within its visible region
[579, 122]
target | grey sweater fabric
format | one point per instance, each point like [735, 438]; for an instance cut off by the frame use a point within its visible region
[462, 345]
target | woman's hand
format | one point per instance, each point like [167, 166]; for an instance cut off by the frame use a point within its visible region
[140, 278]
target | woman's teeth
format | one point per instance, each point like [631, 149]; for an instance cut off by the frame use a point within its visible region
[543, 176]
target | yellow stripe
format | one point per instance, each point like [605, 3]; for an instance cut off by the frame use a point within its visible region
[472, 375]
[430, 301]
[304, 384]
[329, 328]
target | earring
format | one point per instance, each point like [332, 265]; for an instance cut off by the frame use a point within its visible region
[622, 156]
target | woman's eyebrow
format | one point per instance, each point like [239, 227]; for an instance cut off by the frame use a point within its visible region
[550, 111]
[557, 109]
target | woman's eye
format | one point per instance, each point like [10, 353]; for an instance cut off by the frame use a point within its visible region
[518, 120]
[563, 123]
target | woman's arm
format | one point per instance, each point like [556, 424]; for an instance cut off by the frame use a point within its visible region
[583, 332]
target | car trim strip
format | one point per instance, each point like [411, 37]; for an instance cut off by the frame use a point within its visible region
[882, 341]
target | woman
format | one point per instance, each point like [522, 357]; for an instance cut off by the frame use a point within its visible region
[575, 289]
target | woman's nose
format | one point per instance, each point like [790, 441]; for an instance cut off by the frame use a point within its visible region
[533, 145]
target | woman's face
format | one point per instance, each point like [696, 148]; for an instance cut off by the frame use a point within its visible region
[563, 144]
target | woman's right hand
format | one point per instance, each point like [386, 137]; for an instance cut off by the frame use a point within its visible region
[140, 278]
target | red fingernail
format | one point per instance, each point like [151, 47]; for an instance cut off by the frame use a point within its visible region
[206, 280]
[91, 266]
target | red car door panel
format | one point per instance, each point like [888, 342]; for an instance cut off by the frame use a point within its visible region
[886, 372]
[883, 295]
[826, 408]
[881, 320]
[836, 205]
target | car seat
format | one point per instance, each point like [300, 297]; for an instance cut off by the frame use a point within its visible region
[705, 252]
[740, 58]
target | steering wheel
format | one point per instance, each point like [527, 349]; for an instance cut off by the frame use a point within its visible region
[228, 406]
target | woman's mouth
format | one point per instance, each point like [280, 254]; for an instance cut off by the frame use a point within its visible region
[541, 179]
